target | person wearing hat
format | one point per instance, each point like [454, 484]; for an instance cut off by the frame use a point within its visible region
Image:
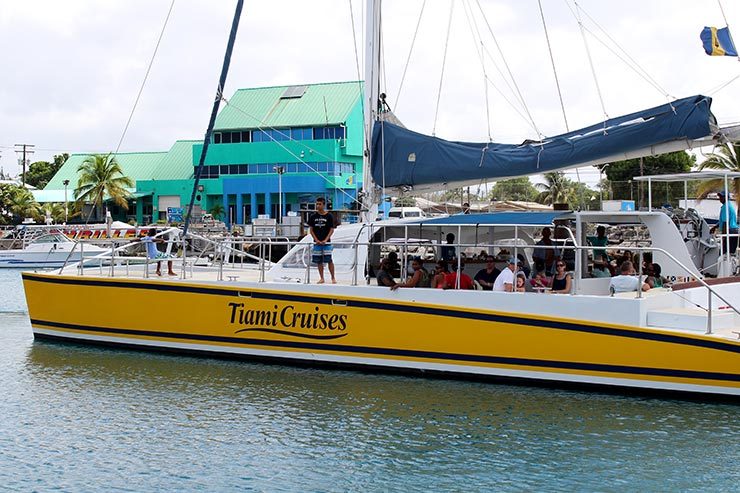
[727, 221]
[505, 281]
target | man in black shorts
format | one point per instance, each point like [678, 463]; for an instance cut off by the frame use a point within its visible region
[322, 227]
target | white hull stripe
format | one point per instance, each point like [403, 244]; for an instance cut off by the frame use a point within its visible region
[385, 352]
[400, 364]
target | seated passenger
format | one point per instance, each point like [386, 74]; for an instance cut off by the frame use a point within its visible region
[561, 281]
[521, 282]
[451, 278]
[505, 281]
[383, 276]
[626, 281]
[394, 266]
[522, 265]
[654, 279]
[487, 276]
[420, 277]
[440, 271]
[600, 269]
[540, 281]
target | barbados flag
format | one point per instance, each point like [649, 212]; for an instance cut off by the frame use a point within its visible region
[718, 42]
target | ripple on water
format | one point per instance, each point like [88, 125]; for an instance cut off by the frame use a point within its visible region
[75, 418]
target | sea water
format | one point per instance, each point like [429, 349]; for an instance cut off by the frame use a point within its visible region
[78, 418]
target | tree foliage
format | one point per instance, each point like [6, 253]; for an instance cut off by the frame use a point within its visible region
[40, 172]
[519, 189]
[406, 201]
[555, 190]
[101, 175]
[621, 174]
[17, 204]
[727, 158]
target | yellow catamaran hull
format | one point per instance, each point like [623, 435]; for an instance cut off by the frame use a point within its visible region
[287, 324]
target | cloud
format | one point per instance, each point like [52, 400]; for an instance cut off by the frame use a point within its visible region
[71, 70]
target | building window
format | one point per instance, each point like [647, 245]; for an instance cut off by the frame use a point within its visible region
[246, 136]
[224, 169]
[226, 138]
[236, 137]
[233, 169]
[243, 169]
[217, 138]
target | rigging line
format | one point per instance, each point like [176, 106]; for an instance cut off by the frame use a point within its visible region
[557, 84]
[411, 50]
[727, 24]
[146, 76]
[722, 86]
[357, 66]
[444, 61]
[227, 103]
[552, 61]
[590, 62]
[634, 62]
[473, 31]
[508, 69]
[513, 106]
[645, 76]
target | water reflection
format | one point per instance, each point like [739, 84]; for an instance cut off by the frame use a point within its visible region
[322, 422]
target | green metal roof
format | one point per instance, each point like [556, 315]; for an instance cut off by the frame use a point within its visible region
[135, 165]
[177, 163]
[320, 104]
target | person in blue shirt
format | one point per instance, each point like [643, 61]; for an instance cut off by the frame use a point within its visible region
[727, 221]
[151, 240]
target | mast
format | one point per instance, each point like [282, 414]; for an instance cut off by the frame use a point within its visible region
[214, 111]
[372, 90]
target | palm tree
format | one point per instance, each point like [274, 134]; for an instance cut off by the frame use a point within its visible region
[23, 205]
[55, 210]
[101, 175]
[217, 211]
[556, 190]
[727, 158]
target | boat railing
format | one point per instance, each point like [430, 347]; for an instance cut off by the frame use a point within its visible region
[264, 245]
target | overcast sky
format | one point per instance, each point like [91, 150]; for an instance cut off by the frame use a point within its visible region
[70, 70]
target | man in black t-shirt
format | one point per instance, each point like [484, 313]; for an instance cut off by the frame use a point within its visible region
[486, 277]
[321, 225]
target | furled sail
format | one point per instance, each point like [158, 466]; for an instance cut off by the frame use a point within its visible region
[402, 158]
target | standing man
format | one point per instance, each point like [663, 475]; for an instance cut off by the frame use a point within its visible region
[727, 222]
[321, 225]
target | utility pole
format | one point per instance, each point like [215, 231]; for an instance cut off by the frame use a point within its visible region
[24, 150]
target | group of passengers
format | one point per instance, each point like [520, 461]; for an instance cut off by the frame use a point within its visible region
[551, 272]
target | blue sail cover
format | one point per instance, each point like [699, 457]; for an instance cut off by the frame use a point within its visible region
[401, 157]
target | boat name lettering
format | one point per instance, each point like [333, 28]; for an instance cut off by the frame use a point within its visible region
[287, 317]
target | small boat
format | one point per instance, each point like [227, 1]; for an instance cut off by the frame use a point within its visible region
[49, 250]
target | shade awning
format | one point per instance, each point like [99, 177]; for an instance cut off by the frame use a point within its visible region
[693, 176]
[499, 219]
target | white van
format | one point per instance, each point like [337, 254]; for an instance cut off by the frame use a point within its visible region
[404, 212]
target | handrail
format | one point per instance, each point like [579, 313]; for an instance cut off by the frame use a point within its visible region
[356, 244]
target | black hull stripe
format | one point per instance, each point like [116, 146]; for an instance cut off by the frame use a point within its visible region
[377, 305]
[453, 357]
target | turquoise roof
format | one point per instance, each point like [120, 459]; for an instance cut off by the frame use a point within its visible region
[175, 164]
[135, 165]
[320, 104]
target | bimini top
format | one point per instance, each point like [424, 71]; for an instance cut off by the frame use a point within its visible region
[403, 158]
[507, 218]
